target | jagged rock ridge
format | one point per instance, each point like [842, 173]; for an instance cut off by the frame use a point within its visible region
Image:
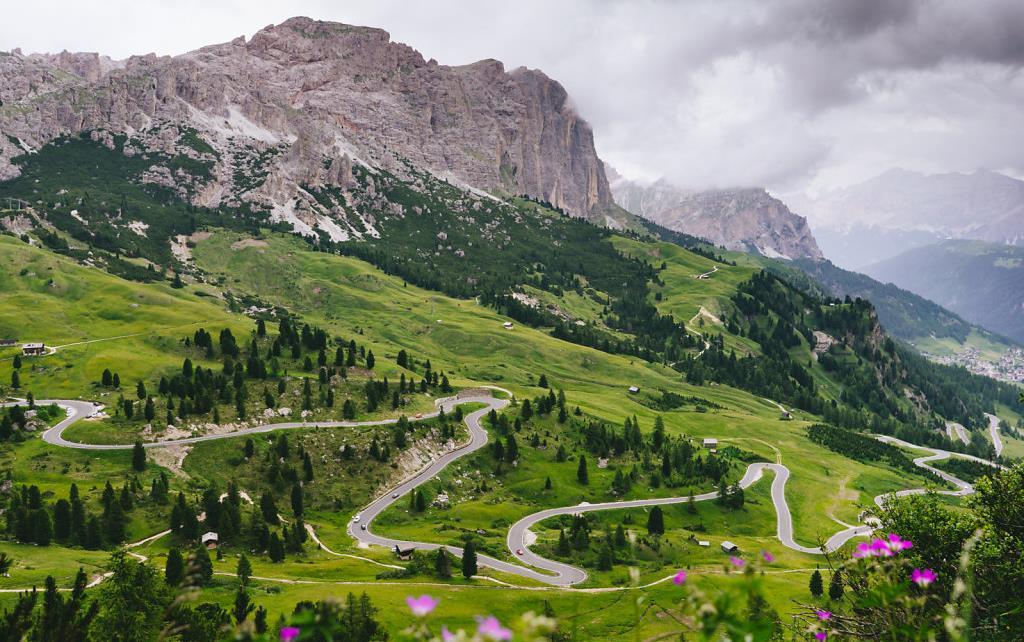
[295, 106]
[743, 219]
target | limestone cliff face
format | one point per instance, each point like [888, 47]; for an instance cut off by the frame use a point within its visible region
[744, 219]
[307, 98]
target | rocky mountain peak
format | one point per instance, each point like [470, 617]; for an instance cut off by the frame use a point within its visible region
[746, 219]
[271, 113]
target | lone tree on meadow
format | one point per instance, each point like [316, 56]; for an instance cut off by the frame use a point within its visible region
[581, 471]
[243, 570]
[656, 522]
[469, 565]
[817, 587]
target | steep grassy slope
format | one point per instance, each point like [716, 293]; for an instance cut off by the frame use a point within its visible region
[97, 321]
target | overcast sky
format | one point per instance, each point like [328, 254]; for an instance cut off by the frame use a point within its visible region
[789, 94]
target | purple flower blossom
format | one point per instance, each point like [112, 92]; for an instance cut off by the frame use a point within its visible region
[897, 544]
[446, 635]
[421, 605]
[923, 576]
[821, 636]
[824, 615]
[289, 633]
[737, 562]
[492, 629]
[882, 547]
[767, 557]
[679, 578]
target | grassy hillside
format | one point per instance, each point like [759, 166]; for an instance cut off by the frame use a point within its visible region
[350, 298]
[95, 320]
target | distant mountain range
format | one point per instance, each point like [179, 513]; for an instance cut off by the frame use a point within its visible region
[898, 210]
[983, 282]
[741, 219]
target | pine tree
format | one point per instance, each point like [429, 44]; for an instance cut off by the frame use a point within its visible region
[835, 585]
[606, 558]
[275, 549]
[42, 527]
[15, 380]
[243, 605]
[542, 382]
[259, 620]
[140, 390]
[297, 503]
[370, 361]
[620, 537]
[656, 522]
[817, 587]
[174, 568]
[149, 411]
[469, 564]
[203, 565]
[243, 570]
[62, 520]
[547, 484]
[442, 563]
[421, 501]
[563, 543]
[138, 456]
[582, 476]
[691, 504]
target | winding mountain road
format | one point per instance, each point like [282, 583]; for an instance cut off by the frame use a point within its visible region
[536, 567]
[993, 430]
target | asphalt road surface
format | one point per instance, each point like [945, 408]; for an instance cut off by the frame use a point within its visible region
[533, 566]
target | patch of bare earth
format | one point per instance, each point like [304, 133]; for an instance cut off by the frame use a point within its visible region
[244, 243]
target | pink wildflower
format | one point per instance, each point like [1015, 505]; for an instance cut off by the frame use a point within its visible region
[897, 544]
[737, 562]
[679, 578]
[824, 615]
[446, 635]
[923, 576]
[289, 633]
[821, 636]
[492, 629]
[882, 548]
[421, 605]
[767, 557]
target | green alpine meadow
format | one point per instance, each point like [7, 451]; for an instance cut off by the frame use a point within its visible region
[308, 337]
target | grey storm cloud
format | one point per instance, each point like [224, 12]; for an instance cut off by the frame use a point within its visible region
[790, 94]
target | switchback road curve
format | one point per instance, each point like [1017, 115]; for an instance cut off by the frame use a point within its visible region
[536, 567]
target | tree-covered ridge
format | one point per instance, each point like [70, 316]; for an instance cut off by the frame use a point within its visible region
[450, 240]
[860, 447]
[96, 196]
[874, 373]
[904, 314]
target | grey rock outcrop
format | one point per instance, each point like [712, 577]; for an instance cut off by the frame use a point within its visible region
[743, 219]
[301, 102]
